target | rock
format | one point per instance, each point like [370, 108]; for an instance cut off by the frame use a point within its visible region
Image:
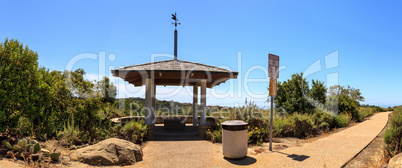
[35, 156]
[396, 161]
[45, 152]
[111, 151]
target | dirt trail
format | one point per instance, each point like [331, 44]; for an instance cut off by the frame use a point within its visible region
[331, 151]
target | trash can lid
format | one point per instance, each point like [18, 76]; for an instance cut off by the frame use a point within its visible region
[234, 125]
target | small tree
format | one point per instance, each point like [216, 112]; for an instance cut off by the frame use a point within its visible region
[106, 90]
[295, 95]
[318, 92]
[292, 95]
[32, 98]
[78, 86]
[348, 99]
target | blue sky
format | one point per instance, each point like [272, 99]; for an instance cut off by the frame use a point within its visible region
[364, 38]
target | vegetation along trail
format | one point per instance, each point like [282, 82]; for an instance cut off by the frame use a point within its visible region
[332, 151]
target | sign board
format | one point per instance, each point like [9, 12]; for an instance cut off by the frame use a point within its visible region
[273, 66]
[272, 87]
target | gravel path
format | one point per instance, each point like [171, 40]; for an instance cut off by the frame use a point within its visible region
[332, 151]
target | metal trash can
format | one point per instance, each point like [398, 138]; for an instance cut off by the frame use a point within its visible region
[234, 139]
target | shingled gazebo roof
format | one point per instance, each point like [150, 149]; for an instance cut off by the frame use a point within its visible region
[174, 72]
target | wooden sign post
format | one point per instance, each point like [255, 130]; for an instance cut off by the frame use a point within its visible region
[272, 87]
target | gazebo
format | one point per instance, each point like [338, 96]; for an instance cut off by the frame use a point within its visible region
[177, 73]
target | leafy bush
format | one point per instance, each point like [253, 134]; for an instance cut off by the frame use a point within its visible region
[381, 109]
[393, 135]
[215, 133]
[258, 130]
[257, 135]
[24, 126]
[283, 127]
[304, 125]
[342, 120]
[323, 121]
[70, 132]
[135, 131]
[36, 101]
[365, 112]
[296, 124]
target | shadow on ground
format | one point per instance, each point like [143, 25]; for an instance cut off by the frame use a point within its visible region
[299, 158]
[188, 134]
[178, 138]
[243, 161]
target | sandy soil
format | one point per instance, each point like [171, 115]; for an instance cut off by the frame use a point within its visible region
[8, 163]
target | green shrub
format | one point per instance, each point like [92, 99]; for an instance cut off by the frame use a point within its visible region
[393, 135]
[257, 135]
[342, 120]
[323, 121]
[304, 125]
[24, 126]
[134, 131]
[35, 101]
[258, 130]
[215, 133]
[366, 111]
[70, 132]
[283, 127]
[358, 117]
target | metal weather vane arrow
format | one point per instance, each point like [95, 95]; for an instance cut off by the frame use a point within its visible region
[175, 20]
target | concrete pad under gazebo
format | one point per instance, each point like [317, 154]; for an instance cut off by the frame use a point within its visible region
[177, 73]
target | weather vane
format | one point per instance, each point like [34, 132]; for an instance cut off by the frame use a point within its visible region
[175, 20]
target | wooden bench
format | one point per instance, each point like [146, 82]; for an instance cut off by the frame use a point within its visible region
[174, 124]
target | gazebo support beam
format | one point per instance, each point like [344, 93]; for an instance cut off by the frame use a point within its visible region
[148, 101]
[195, 104]
[203, 101]
[153, 118]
